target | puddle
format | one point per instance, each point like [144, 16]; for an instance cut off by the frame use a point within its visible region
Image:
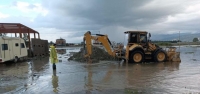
[106, 77]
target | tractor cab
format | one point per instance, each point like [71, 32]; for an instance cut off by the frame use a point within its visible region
[139, 48]
[137, 37]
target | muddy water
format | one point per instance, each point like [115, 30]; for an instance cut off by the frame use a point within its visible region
[110, 77]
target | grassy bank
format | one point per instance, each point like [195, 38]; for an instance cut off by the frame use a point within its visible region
[164, 44]
[185, 43]
[177, 44]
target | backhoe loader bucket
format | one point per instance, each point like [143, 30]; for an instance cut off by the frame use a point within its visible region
[173, 55]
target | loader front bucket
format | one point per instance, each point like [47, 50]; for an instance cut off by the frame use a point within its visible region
[176, 57]
[173, 55]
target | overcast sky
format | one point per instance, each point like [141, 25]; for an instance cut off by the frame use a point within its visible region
[70, 19]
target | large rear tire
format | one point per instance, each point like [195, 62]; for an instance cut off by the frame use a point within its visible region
[136, 57]
[160, 56]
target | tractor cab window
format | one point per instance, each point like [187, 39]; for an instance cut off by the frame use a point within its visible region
[133, 38]
[143, 38]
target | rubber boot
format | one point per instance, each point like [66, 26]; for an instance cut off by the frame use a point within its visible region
[54, 66]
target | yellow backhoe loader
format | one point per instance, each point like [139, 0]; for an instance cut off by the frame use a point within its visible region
[138, 49]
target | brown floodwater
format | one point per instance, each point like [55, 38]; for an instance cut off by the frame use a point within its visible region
[107, 77]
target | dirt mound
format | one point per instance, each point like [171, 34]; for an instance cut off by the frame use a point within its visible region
[97, 55]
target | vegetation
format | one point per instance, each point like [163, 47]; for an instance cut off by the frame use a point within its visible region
[195, 40]
[51, 42]
[132, 91]
[164, 44]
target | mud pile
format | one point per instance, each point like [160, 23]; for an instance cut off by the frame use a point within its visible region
[97, 55]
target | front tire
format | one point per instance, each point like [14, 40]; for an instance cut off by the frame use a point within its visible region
[160, 56]
[137, 57]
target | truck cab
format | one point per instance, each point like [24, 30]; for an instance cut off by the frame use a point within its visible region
[137, 37]
[139, 48]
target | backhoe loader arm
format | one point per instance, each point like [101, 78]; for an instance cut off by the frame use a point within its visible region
[100, 38]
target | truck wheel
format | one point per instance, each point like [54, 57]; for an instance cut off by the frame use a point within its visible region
[16, 59]
[137, 57]
[160, 56]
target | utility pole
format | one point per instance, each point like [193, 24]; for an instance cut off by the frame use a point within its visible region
[99, 42]
[179, 41]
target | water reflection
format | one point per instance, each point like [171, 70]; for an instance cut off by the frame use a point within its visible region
[88, 83]
[40, 64]
[55, 81]
[12, 74]
[61, 51]
[13, 69]
[144, 76]
[137, 76]
[110, 77]
[108, 74]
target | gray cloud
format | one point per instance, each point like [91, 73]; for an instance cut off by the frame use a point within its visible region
[101, 13]
[113, 17]
[30, 6]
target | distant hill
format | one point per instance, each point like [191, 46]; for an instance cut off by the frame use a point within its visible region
[183, 37]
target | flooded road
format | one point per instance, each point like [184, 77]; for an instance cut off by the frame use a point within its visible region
[107, 77]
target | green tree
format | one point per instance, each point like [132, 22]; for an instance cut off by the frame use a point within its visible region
[51, 42]
[195, 40]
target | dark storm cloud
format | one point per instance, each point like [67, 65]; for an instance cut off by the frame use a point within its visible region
[190, 26]
[99, 13]
[109, 16]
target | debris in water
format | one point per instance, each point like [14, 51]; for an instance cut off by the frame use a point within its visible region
[194, 59]
[189, 52]
[97, 54]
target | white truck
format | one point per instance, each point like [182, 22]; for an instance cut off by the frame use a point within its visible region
[12, 49]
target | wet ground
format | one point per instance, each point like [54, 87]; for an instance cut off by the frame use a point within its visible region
[107, 77]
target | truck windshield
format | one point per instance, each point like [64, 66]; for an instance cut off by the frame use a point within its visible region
[143, 38]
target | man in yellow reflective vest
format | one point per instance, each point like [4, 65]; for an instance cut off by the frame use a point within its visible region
[53, 56]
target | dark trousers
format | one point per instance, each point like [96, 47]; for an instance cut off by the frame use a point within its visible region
[54, 66]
